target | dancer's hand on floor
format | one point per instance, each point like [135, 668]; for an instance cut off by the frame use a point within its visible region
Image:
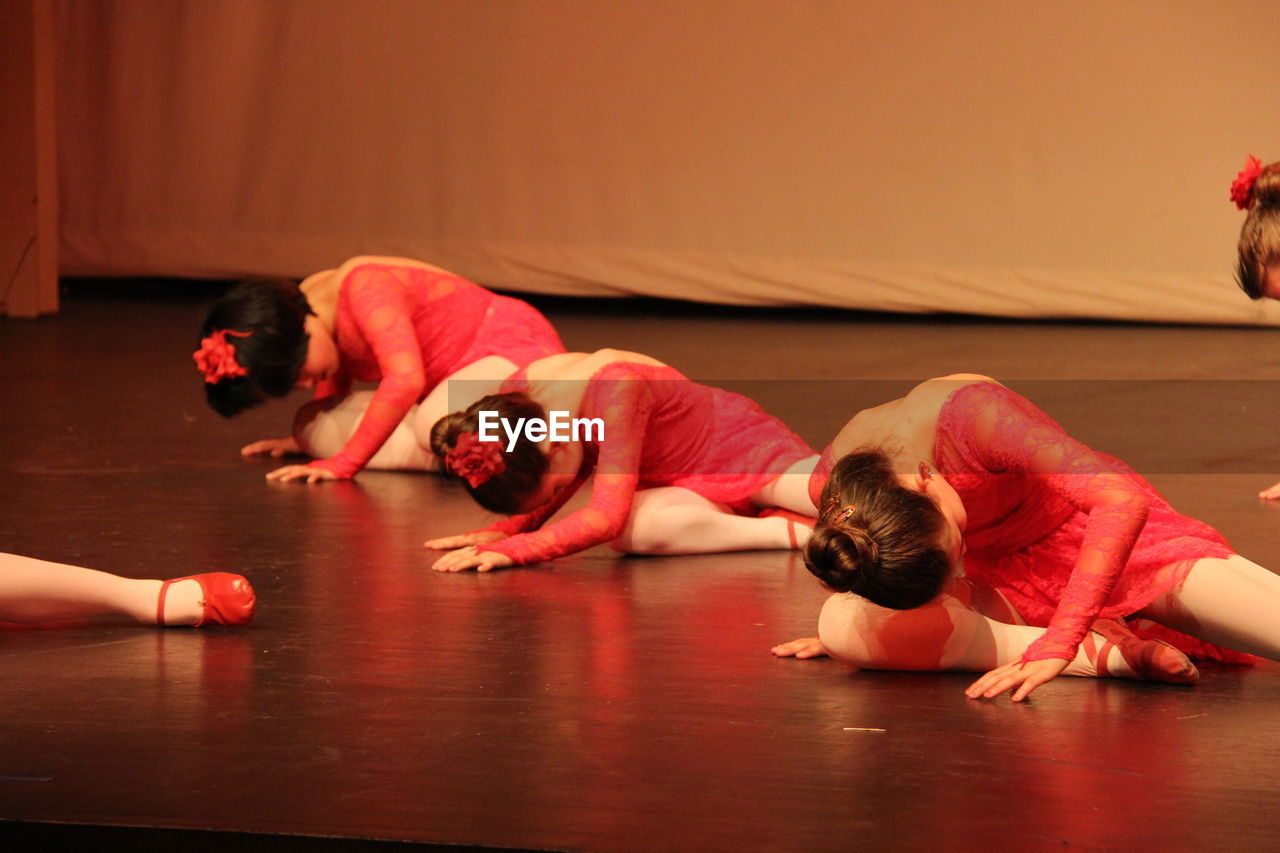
[470, 558]
[462, 540]
[1270, 494]
[805, 647]
[273, 447]
[310, 474]
[1023, 676]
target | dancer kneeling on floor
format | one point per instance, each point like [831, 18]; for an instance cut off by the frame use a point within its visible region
[34, 590]
[952, 517]
[402, 323]
[681, 468]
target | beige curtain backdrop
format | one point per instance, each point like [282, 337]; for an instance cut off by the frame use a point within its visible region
[1008, 158]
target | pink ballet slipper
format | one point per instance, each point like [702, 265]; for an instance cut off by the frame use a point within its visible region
[1153, 660]
[226, 599]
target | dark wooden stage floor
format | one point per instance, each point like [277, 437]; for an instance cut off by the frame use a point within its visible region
[600, 703]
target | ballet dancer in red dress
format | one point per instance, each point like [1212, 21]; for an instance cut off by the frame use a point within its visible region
[681, 468]
[406, 325]
[34, 590]
[1257, 190]
[962, 529]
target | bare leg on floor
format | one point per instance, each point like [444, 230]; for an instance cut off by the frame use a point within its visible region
[674, 520]
[1232, 602]
[948, 634]
[34, 590]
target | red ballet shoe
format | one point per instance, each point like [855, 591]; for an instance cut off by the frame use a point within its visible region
[227, 599]
[793, 518]
[1154, 660]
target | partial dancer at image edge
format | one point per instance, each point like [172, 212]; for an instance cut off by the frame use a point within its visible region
[1257, 190]
[40, 591]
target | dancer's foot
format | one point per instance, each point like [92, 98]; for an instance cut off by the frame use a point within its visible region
[218, 597]
[1153, 660]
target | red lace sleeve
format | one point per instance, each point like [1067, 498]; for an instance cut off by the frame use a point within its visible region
[623, 402]
[1014, 435]
[382, 312]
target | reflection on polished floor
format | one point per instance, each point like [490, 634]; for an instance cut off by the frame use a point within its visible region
[600, 703]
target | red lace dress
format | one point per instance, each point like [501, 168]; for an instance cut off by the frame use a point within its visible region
[660, 429]
[1068, 534]
[408, 328]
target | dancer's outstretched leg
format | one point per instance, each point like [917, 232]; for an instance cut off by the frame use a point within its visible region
[1231, 602]
[951, 634]
[34, 590]
[674, 520]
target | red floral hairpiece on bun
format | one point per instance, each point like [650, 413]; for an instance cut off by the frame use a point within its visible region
[474, 460]
[216, 358]
[1242, 186]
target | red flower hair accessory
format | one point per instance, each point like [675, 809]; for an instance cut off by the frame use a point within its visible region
[1242, 186]
[474, 460]
[216, 358]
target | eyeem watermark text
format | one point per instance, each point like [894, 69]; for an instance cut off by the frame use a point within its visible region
[560, 427]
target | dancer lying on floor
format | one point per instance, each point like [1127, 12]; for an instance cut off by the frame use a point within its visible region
[404, 324]
[34, 590]
[682, 468]
[1257, 190]
[963, 476]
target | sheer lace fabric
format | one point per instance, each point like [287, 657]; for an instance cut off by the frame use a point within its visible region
[1067, 533]
[661, 429]
[408, 328]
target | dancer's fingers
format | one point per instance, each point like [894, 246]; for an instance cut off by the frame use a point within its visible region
[289, 473]
[983, 685]
[456, 561]
[487, 561]
[805, 647]
[471, 558]
[267, 445]
[1020, 677]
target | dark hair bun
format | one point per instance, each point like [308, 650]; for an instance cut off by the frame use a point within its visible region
[1259, 244]
[444, 434]
[887, 551]
[523, 465]
[1266, 190]
[863, 543]
[274, 313]
[838, 555]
